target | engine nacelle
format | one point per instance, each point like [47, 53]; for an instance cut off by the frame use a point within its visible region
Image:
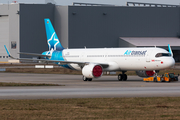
[92, 71]
[142, 73]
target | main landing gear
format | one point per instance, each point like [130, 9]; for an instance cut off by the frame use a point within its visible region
[155, 75]
[122, 77]
[87, 79]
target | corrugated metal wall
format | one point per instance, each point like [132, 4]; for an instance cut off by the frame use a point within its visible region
[101, 26]
[32, 29]
[90, 26]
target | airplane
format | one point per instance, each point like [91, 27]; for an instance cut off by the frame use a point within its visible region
[94, 61]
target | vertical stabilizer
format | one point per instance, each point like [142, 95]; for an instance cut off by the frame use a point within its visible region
[52, 39]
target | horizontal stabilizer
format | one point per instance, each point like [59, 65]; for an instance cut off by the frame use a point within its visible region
[34, 54]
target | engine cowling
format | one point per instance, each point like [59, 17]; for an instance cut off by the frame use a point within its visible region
[142, 73]
[92, 71]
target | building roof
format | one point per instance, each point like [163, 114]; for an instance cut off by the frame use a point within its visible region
[152, 41]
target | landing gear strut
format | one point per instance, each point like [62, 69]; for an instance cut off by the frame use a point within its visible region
[86, 79]
[122, 77]
[156, 74]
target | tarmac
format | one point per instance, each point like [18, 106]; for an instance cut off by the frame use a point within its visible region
[75, 87]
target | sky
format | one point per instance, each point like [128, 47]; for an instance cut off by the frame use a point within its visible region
[113, 2]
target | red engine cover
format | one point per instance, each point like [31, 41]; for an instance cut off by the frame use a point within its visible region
[150, 73]
[97, 71]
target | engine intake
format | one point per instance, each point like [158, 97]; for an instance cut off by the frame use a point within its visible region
[92, 71]
[142, 73]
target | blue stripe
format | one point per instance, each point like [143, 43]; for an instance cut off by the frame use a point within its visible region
[58, 55]
[66, 66]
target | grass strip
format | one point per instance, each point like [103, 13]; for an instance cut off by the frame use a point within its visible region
[27, 84]
[161, 108]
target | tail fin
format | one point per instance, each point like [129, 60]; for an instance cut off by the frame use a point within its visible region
[170, 51]
[52, 39]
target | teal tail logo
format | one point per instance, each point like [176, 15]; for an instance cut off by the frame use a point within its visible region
[52, 39]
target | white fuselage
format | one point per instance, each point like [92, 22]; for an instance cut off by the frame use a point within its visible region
[121, 59]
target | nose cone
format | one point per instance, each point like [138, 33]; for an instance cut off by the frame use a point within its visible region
[170, 62]
[173, 62]
[167, 62]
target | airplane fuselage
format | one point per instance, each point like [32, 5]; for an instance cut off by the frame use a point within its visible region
[119, 59]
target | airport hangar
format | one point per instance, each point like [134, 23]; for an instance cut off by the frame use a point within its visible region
[22, 26]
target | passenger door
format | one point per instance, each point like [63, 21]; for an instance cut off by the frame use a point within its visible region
[148, 56]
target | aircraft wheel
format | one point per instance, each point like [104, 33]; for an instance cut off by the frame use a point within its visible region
[89, 79]
[162, 80]
[84, 78]
[168, 81]
[120, 77]
[124, 77]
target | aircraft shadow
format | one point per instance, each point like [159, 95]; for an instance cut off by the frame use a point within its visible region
[116, 81]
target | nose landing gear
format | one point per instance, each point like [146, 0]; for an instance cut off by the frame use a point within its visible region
[122, 77]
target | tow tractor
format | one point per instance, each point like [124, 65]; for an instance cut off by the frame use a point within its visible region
[166, 77]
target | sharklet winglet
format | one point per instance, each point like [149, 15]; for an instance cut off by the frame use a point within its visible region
[170, 51]
[7, 51]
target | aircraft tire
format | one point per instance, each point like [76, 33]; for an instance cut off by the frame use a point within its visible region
[162, 80]
[124, 77]
[120, 77]
[89, 79]
[168, 81]
[84, 78]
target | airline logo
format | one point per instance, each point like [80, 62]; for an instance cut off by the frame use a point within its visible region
[129, 52]
[53, 42]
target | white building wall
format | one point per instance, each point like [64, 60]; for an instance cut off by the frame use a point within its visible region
[4, 37]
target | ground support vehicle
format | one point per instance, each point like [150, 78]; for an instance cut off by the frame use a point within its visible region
[166, 77]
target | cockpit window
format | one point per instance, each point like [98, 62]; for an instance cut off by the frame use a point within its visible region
[162, 54]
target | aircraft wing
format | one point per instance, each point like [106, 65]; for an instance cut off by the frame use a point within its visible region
[34, 54]
[60, 62]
